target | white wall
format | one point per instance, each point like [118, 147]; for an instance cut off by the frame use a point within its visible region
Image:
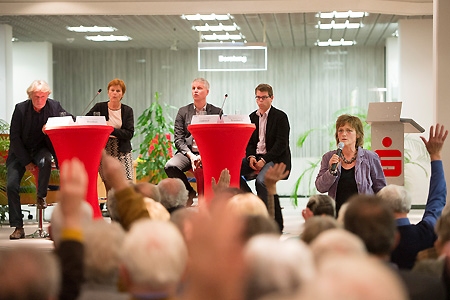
[31, 61]
[5, 71]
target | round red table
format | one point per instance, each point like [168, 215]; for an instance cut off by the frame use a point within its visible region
[221, 146]
[85, 142]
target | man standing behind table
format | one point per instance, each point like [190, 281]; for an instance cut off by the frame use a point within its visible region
[269, 144]
[30, 149]
[187, 155]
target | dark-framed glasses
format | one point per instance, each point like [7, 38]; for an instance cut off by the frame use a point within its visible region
[261, 97]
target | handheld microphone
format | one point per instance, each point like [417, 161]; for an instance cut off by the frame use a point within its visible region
[221, 109]
[87, 106]
[338, 153]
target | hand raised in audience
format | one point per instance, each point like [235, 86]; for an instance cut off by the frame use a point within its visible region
[73, 188]
[216, 269]
[435, 141]
[114, 172]
[223, 183]
[274, 174]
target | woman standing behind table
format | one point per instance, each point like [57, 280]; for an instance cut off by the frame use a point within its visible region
[119, 116]
[358, 170]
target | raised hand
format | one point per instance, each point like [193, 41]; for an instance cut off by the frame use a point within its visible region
[435, 141]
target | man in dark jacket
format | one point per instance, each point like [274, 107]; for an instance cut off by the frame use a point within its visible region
[30, 149]
[269, 144]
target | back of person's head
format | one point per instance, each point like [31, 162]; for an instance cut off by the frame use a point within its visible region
[156, 210]
[149, 190]
[337, 241]
[154, 256]
[29, 273]
[257, 224]
[102, 243]
[57, 220]
[322, 205]
[316, 225]
[173, 193]
[396, 197]
[248, 204]
[182, 219]
[373, 221]
[357, 278]
[442, 229]
[276, 266]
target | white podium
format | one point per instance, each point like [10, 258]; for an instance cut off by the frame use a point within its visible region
[388, 135]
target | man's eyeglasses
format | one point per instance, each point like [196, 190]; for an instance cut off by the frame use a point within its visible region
[261, 97]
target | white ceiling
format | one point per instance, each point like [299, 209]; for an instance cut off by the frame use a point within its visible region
[278, 29]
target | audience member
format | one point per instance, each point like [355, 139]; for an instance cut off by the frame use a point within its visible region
[274, 174]
[319, 205]
[337, 241]
[29, 273]
[102, 243]
[258, 224]
[173, 194]
[420, 236]
[315, 225]
[271, 267]
[269, 144]
[149, 190]
[373, 221]
[153, 264]
[73, 187]
[182, 218]
[30, 149]
[57, 221]
[187, 156]
[156, 210]
[440, 266]
[247, 204]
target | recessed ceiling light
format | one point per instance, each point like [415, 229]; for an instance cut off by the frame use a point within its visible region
[334, 25]
[108, 38]
[332, 43]
[91, 29]
[219, 27]
[211, 17]
[222, 37]
[342, 15]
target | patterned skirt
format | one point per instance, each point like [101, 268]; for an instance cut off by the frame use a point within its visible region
[112, 148]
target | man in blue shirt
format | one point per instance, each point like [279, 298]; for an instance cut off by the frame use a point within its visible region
[420, 236]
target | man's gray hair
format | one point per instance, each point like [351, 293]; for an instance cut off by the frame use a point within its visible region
[396, 197]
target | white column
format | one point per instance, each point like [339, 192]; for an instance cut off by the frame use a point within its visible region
[416, 70]
[31, 61]
[6, 81]
[441, 64]
[392, 69]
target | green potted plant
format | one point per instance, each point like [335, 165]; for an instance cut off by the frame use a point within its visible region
[155, 126]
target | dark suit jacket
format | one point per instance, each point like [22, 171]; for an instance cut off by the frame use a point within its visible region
[277, 138]
[182, 137]
[21, 128]
[123, 134]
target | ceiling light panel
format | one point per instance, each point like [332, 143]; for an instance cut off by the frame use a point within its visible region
[108, 38]
[92, 29]
[216, 28]
[211, 17]
[342, 15]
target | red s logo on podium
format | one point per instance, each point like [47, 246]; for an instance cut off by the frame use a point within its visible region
[391, 159]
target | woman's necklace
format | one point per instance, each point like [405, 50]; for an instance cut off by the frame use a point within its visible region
[351, 160]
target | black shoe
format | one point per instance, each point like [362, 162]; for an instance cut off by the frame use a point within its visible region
[41, 203]
[191, 197]
[19, 233]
